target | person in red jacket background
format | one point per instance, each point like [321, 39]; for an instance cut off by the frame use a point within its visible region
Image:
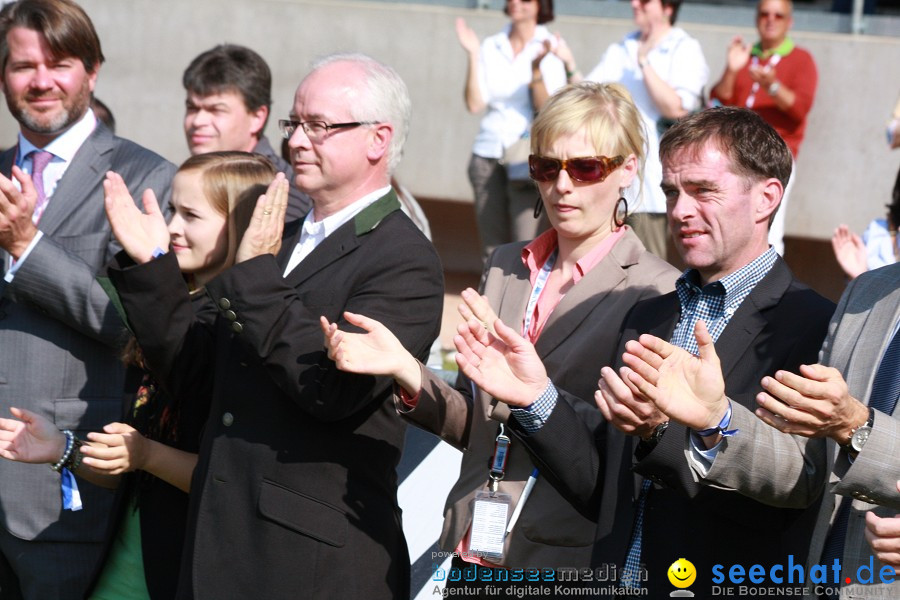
[776, 79]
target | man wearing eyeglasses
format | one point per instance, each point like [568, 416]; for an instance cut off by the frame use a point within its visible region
[229, 96]
[295, 492]
[777, 80]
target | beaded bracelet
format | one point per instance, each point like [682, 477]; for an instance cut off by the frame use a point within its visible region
[70, 445]
[75, 458]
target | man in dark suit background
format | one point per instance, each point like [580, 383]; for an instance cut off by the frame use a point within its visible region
[724, 171]
[229, 96]
[58, 331]
[295, 492]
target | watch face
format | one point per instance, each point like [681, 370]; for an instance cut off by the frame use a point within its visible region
[860, 437]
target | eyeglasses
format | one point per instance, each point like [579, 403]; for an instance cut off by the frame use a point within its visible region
[316, 130]
[771, 15]
[586, 169]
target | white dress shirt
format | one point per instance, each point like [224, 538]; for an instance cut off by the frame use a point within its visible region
[503, 80]
[314, 232]
[63, 149]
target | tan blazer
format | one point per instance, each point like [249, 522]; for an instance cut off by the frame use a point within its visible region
[579, 338]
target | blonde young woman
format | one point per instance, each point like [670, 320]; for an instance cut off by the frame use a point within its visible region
[567, 291]
[213, 198]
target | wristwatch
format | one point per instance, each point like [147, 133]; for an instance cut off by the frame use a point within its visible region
[860, 435]
[643, 62]
[773, 89]
[644, 447]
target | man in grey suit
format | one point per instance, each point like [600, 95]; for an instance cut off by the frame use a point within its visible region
[58, 331]
[851, 399]
[229, 95]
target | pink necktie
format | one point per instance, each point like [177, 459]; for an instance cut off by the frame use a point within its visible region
[39, 161]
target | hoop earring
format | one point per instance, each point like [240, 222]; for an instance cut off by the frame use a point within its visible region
[621, 211]
[538, 207]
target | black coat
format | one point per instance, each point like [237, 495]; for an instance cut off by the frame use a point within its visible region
[295, 491]
[163, 507]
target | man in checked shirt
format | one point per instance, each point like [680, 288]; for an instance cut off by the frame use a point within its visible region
[724, 173]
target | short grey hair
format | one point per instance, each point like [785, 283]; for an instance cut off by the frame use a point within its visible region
[386, 101]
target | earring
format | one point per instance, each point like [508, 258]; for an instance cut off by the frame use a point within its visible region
[538, 207]
[621, 211]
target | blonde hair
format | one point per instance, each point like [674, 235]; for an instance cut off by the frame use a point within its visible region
[232, 182]
[605, 112]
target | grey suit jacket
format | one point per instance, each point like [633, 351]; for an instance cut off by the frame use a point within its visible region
[59, 333]
[579, 338]
[858, 335]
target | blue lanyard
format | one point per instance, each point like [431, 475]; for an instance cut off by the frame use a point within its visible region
[539, 284]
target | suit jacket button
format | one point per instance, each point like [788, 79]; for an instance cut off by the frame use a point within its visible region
[227, 419]
[230, 315]
[224, 303]
[237, 327]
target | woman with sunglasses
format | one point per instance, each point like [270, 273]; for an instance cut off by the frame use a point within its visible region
[568, 291]
[664, 70]
[501, 71]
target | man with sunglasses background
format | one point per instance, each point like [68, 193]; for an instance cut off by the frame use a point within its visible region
[724, 171]
[777, 80]
[297, 469]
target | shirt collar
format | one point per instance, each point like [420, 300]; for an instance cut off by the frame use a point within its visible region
[66, 145]
[536, 253]
[538, 250]
[597, 253]
[329, 224]
[733, 286]
[541, 33]
[782, 49]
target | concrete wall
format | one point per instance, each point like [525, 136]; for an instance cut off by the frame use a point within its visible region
[845, 169]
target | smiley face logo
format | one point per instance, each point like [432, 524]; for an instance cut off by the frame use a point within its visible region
[682, 573]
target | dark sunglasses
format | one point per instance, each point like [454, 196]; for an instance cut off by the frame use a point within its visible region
[771, 15]
[587, 169]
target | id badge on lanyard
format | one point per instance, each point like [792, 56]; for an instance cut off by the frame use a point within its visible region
[491, 509]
